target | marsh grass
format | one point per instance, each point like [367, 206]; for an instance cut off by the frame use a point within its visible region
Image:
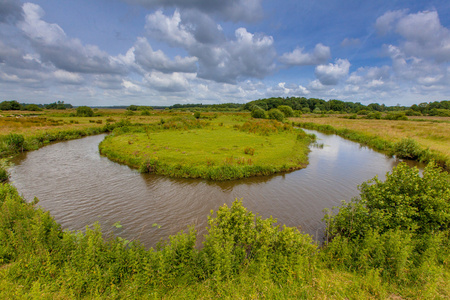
[191, 148]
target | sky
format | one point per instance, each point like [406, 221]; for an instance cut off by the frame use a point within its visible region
[163, 52]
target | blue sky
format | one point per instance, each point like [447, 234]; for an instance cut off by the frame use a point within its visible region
[162, 52]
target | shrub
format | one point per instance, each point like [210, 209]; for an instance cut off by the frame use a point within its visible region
[306, 110]
[249, 150]
[405, 200]
[258, 112]
[400, 115]
[286, 110]
[275, 114]
[411, 113]
[374, 115]
[145, 112]
[407, 148]
[84, 111]
[197, 115]
[363, 112]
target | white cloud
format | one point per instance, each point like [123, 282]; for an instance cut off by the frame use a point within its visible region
[221, 60]
[234, 10]
[169, 29]
[297, 57]
[53, 46]
[385, 23]
[150, 60]
[288, 90]
[331, 74]
[175, 82]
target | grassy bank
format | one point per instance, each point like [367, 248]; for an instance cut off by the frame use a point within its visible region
[223, 148]
[375, 251]
[423, 140]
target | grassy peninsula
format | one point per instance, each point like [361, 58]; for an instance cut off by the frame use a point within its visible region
[223, 148]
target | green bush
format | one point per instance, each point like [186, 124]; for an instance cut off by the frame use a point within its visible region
[145, 112]
[399, 115]
[411, 113]
[258, 112]
[84, 111]
[374, 115]
[197, 115]
[405, 200]
[275, 114]
[407, 148]
[286, 110]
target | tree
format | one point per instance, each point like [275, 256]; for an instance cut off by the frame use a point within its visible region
[10, 105]
[276, 114]
[84, 111]
[286, 110]
[258, 112]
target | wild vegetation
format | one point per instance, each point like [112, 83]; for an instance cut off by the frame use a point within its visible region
[374, 250]
[390, 243]
[223, 148]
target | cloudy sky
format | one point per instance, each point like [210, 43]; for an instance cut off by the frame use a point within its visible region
[162, 52]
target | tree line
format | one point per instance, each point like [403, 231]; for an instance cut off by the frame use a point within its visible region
[15, 105]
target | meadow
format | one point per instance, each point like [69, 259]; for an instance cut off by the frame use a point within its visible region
[222, 148]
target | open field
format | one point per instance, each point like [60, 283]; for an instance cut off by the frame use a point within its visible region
[431, 133]
[227, 147]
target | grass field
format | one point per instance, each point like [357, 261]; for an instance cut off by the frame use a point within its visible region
[220, 149]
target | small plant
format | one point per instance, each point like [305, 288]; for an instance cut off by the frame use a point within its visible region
[249, 151]
[197, 115]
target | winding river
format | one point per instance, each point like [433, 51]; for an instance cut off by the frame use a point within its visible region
[80, 187]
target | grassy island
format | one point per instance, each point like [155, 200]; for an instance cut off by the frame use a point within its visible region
[218, 148]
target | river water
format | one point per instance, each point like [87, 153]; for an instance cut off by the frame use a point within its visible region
[79, 187]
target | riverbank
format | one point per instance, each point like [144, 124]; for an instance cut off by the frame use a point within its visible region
[420, 139]
[243, 255]
[223, 148]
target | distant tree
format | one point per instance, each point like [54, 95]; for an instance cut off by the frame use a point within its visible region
[84, 111]
[286, 110]
[32, 107]
[132, 107]
[275, 114]
[10, 105]
[258, 112]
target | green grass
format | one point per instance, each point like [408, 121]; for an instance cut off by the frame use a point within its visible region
[221, 150]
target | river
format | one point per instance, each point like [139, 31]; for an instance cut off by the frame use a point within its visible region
[79, 187]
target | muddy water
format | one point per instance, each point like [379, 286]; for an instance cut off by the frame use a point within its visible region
[79, 187]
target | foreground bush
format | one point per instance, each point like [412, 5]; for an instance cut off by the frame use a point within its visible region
[380, 246]
[400, 227]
